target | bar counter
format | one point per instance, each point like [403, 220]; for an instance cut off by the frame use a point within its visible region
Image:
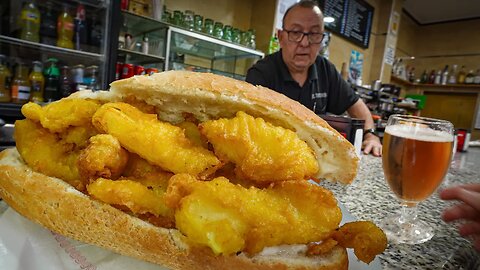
[369, 198]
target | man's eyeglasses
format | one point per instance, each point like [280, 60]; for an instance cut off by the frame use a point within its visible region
[297, 36]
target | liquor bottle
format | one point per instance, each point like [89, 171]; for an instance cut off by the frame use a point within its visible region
[461, 75]
[424, 77]
[21, 85]
[5, 79]
[444, 75]
[37, 81]
[96, 31]
[452, 78]
[273, 46]
[52, 75]
[470, 77]
[476, 79]
[80, 27]
[65, 29]
[431, 78]
[48, 27]
[30, 22]
[438, 77]
[411, 75]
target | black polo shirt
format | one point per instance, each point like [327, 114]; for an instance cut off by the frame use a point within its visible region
[323, 91]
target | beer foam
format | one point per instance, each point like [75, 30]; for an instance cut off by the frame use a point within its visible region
[420, 133]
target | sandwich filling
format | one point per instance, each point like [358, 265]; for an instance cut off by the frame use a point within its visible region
[234, 184]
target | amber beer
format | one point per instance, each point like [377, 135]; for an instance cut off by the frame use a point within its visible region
[415, 160]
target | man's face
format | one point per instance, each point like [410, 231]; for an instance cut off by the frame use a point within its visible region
[299, 56]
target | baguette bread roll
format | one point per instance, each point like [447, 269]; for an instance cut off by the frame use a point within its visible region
[208, 96]
[58, 206]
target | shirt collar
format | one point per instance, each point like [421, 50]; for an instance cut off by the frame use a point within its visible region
[312, 71]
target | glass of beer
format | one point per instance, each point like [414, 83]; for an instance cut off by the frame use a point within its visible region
[416, 157]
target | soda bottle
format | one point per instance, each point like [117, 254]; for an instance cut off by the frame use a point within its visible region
[5, 78]
[65, 29]
[30, 22]
[52, 75]
[80, 27]
[96, 31]
[65, 82]
[21, 85]
[48, 28]
[90, 79]
[37, 82]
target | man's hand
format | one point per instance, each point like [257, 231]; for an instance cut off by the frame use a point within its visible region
[468, 209]
[371, 143]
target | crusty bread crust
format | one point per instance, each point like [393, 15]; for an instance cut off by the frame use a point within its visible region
[58, 206]
[209, 96]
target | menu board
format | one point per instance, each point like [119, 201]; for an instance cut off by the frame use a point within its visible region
[353, 19]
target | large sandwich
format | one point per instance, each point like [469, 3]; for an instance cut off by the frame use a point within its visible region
[190, 171]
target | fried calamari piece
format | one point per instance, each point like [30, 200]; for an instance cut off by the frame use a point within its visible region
[260, 150]
[46, 153]
[136, 197]
[366, 239]
[230, 218]
[319, 248]
[78, 135]
[103, 157]
[59, 115]
[193, 134]
[160, 143]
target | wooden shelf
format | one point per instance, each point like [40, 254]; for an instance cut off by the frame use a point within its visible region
[447, 88]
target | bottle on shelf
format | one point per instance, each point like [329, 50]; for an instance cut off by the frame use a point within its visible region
[470, 77]
[65, 85]
[90, 79]
[37, 81]
[411, 75]
[431, 78]
[5, 79]
[476, 79]
[273, 46]
[424, 77]
[65, 29]
[30, 22]
[461, 75]
[452, 78]
[48, 26]
[444, 78]
[80, 27]
[438, 77]
[20, 84]
[52, 75]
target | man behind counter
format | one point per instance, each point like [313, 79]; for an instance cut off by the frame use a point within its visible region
[298, 72]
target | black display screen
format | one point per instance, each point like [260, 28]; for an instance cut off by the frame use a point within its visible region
[353, 19]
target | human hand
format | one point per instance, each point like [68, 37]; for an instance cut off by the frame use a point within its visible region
[468, 209]
[371, 143]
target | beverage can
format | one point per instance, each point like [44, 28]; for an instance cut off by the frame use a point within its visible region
[139, 70]
[127, 71]
[150, 71]
[118, 70]
[124, 5]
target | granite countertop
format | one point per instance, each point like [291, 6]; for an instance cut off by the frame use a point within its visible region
[369, 198]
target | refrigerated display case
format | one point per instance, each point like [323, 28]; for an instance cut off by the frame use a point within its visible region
[172, 48]
[86, 28]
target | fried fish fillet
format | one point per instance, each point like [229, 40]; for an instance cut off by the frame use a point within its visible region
[45, 152]
[58, 116]
[260, 150]
[160, 143]
[230, 218]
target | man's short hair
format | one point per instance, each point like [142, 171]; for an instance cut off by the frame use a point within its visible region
[302, 3]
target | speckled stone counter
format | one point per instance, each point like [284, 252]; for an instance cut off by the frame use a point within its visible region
[369, 198]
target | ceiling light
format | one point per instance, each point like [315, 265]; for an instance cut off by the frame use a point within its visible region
[328, 19]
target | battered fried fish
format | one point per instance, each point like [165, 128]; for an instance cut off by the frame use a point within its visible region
[160, 143]
[230, 218]
[260, 150]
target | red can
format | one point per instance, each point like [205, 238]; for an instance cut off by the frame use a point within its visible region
[127, 71]
[139, 70]
[150, 71]
[124, 4]
[118, 70]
